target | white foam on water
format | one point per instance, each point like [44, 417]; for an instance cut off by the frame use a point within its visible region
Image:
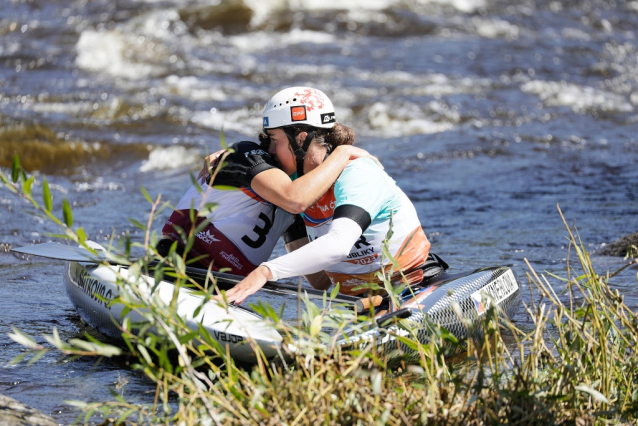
[172, 157]
[261, 40]
[438, 85]
[263, 9]
[342, 4]
[148, 45]
[98, 184]
[494, 28]
[389, 77]
[159, 24]
[579, 98]
[408, 84]
[245, 121]
[113, 109]
[575, 34]
[9, 48]
[193, 88]
[357, 10]
[111, 52]
[465, 6]
[407, 119]
[73, 108]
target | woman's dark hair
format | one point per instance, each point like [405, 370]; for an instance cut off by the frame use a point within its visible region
[264, 140]
[328, 138]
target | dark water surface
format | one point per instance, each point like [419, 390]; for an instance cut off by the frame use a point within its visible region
[486, 113]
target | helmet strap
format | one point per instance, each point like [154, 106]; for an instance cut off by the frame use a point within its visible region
[300, 151]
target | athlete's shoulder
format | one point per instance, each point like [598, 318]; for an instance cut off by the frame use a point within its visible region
[246, 148]
[247, 153]
[363, 169]
[246, 160]
[363, 164]
[364, 184]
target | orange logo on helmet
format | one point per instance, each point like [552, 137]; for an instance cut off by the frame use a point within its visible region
[298, 113]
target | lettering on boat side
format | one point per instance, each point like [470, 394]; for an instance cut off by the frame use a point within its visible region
[227, 337]
[94, 288]
[499, 290]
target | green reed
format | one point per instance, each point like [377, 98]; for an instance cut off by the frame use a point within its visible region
[576, 364]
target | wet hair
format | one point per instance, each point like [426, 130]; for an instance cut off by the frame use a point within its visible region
[327, 138]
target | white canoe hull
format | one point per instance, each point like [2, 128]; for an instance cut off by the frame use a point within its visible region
[233, 327]
[456, 302]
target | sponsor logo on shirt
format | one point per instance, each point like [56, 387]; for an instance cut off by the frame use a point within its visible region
[326, 207]
[234, 260]
[362, 241]
[328, 118]
[207, 237]
[361, 253]
[265, 121]
[255, 152]
[298, 113]
[367, 260]
[352, 282]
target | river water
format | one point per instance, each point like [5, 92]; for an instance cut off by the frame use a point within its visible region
[487, 114]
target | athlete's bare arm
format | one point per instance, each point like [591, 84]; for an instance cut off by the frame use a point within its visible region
[296, 196]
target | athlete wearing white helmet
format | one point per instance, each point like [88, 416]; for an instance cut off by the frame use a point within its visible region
[296, 109]
[353, 218]
[247, 223]
[299, 105]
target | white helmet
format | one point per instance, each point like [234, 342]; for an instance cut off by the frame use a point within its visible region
[299, 105]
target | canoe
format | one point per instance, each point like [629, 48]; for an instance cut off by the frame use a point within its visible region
[84, 282]
[456, 302]
[90, 285]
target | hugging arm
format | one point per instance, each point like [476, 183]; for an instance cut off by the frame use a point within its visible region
[296, 196]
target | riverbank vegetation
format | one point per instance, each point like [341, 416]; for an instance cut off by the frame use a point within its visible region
[573, 360]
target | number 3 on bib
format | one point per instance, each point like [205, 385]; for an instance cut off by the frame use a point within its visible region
[261, 232]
